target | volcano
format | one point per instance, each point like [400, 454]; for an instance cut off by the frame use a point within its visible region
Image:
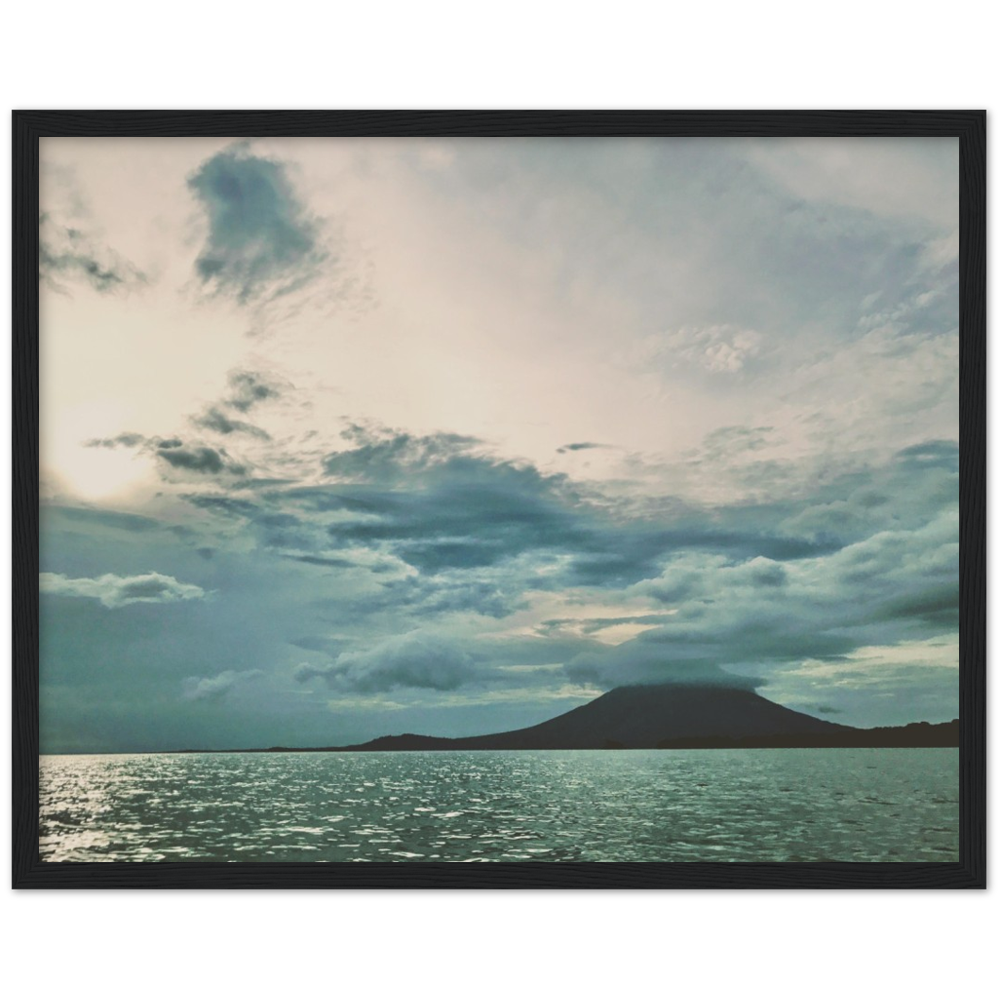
[664, 716]
[678, 716]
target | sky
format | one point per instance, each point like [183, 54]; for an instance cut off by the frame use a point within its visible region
[348, 437]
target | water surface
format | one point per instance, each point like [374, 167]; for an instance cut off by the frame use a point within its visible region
[635, 805]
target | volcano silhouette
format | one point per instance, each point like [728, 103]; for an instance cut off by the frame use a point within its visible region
[648, 716]
[666, 716]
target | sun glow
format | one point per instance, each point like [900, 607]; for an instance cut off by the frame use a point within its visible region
[96, 473]
[87, 472]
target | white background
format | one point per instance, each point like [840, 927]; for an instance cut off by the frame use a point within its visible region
[500, 951]
[918, 52]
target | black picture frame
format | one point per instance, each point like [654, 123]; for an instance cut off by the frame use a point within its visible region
[969, 872]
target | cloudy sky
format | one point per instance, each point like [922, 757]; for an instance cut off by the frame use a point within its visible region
[350, 437]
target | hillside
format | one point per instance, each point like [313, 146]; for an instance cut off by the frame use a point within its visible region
[644, 717]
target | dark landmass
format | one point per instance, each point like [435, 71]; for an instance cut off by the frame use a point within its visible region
[671, 717]
[916, 734]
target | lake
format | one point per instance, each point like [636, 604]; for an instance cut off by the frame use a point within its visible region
[547, 805]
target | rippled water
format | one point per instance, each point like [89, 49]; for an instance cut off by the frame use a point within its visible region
[637, 805]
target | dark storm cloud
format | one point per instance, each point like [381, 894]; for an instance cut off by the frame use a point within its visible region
[247, 389]
[622, 555]
[193, 458]
[382, 455]
[273, 528]
[940, 454]
[126, 440]
[461, 510]
[432, 557]
[213, 419]
[278, 519]
[934, 605]
[232, 506]
[458, 523]
[281, 531]
[66, 253]
[441, 505]
[199, 459]
[260, 238]
[579, 446]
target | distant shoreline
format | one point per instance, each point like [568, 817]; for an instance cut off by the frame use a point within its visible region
[915, 736]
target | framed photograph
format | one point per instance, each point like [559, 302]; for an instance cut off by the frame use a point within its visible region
[596, 497]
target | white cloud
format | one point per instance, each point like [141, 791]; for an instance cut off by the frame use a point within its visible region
[415, 660]
[118, 591]
[208, 688]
